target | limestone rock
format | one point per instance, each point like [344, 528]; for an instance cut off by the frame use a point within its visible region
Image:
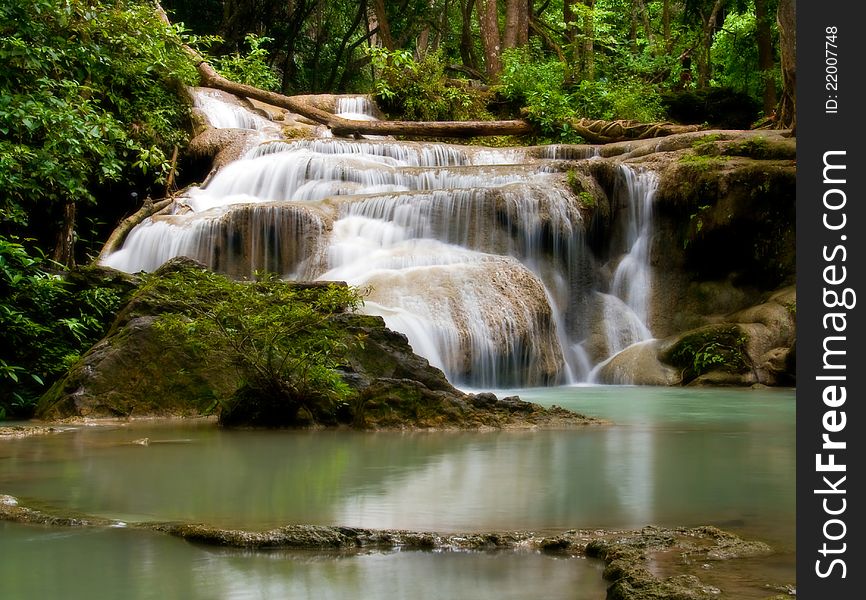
[134, 371]
[638, 364]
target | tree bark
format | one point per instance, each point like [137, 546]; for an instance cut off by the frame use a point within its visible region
[588, 57]
[516, 24]
[786, 17]
[666, 24]
[467, 47]
[607, 132]
[571, 30]
[488, 21]
[708, 31]
[64, 248]
[383, 24]
[765, 55]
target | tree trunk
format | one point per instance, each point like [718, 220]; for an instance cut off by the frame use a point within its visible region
[765, 55]
[707, 33]
[786, 17]
[516, 24]
[356, 22]
[383, 24]
[467, 45]
[570, 19]
[64, 248]
[666, 25]
[647, 28]
[488, 21]
[588, 57]
[347, 127]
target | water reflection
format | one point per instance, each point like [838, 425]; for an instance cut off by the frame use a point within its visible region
[112, 563]
[674, 460]
[672, 457]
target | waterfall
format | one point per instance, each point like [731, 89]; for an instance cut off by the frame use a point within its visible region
[357, 108]
[223, 114]
[476, 254]
[624, 311]
[631, 280]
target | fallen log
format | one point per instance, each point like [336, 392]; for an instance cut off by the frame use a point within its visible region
[115, 240]
[348, 127]
[594, 131]
[607, 132]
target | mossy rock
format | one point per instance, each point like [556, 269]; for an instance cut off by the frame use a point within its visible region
[719, 347]
[138, 369]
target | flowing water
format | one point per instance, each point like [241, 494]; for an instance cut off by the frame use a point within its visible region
[478, 255]
[672, 457]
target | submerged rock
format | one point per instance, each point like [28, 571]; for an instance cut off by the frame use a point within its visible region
[627, 554]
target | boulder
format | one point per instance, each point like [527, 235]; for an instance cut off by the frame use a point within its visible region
[137, 371]
[638, 364]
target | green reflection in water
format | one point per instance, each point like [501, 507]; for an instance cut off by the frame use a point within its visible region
[671, 457]
[40, 562]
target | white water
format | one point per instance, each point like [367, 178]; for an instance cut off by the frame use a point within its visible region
[223, 114]
[631, 280]
[477, 255]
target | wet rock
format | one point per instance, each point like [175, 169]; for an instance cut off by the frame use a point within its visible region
[626, 554]
[134, 371]
[639, 364]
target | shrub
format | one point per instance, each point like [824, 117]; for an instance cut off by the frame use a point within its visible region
[88, 99]
[280, 336]
[419, 90]
[46, 323]
[251, 68]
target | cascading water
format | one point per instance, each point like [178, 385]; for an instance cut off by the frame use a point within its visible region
[477, 255]
[624, 310]
[631, 280]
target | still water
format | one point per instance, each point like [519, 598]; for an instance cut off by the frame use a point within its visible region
[671, 457]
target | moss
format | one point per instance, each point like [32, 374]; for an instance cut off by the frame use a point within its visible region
[759, 147]
[714, 347]
[705, 161]
[706, 144]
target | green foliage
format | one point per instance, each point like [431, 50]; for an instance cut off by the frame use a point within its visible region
[540, 86]
[711, 349]
[612, 100]
[88, 98]
[45, 325]
[419, 90]
[280, 336]
[735, 57]
[251, 68]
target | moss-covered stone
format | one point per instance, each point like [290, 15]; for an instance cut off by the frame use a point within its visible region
[710, 348]
[136, 370]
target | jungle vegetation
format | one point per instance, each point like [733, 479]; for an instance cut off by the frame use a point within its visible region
[93, 109]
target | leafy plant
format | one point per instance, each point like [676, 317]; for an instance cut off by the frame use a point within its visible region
[251, 68]
[280, 336]
[540, 85]
[88, 99]
[709, 349]
[419, 90]
[46, 322]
